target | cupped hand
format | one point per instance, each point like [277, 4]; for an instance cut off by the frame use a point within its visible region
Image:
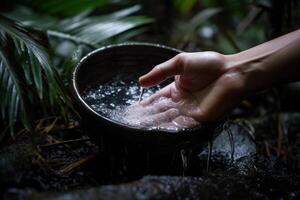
[205, 87]
[162, 113]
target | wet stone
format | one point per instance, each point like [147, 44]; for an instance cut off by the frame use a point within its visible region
[251, 174]
[232, 143]
[192, 188]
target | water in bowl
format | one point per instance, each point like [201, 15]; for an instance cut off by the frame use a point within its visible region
[119, 101]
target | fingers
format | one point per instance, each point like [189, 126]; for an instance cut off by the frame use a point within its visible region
[185, 122]
[161, 72]
[162, 117]
[162, 113]
[179, 122]
[151, 109]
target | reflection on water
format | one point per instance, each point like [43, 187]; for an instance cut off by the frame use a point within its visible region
[119, 101]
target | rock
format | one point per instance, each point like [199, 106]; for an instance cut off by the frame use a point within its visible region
[234, 142]
[250, 175]
[15, 160]
[149, 187]
[182, 188]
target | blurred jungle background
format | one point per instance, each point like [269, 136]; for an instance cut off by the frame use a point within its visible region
[42, 145]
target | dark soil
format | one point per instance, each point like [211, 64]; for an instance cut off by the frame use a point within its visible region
[254, 156]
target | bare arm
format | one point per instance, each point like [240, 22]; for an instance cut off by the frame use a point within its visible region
[271, 63]
[208, 84]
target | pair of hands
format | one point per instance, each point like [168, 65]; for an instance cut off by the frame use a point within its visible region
[205, 88]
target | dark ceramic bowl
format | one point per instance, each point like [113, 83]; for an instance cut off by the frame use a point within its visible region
[127, 60]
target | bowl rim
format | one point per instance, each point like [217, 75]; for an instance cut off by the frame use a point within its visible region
[78, 97]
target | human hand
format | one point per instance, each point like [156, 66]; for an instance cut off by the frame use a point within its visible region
[208, 84]
[205, 87]
[162, 113]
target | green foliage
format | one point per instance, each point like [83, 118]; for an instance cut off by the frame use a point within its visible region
[187, 32]
[32, 71]
[14, 86]
[185, 6]
[84, 29]
[238, 26]
[224, 26]
[67, 8]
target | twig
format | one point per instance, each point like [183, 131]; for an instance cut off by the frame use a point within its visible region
[267, 148]
[48, 128]
[65, 142]
[75, 164]
[280, 134]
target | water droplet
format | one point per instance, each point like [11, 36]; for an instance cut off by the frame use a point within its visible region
[117, 100]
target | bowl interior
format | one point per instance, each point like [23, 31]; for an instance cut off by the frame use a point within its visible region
[124, 63]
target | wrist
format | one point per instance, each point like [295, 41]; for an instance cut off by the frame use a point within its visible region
[269, 64]
[249, 73]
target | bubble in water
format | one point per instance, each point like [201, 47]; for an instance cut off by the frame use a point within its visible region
[119, 101]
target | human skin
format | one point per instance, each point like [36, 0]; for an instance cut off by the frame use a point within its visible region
[208, 85]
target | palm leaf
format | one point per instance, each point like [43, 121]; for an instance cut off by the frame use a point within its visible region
[202, 17]
[67, 7]
[30, 71]
[17, 78]
[13, 98]
[185, 6]
[186, 32]
[80, 29]
[94, 30]
[71, 62]
[30, 18]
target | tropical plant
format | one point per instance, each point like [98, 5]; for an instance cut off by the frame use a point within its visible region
[230, 26]
[37, 52]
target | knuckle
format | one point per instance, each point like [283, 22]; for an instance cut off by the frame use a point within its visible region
[215, 59]
[232, 81]
[161, 71]
[202, 116]
[181, 60]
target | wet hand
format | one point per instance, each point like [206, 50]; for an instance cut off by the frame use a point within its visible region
[205, 88]
[161, 113]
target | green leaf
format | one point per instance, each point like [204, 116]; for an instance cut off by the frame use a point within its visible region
[80, 29]
[187, 32]
[13, 93]
[185, 6]
[23, 59]
[25, 45]
[95, 33]
[71, 62]
[30, 18]
[203, 16]
[128, 35]
[67, 7]
[37, 75]
[28, 78]
[96, 29]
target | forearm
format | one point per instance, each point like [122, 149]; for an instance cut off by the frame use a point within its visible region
[271, 63]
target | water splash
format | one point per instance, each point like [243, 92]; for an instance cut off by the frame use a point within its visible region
[119, 101]
[184, 159]
[142, 90]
